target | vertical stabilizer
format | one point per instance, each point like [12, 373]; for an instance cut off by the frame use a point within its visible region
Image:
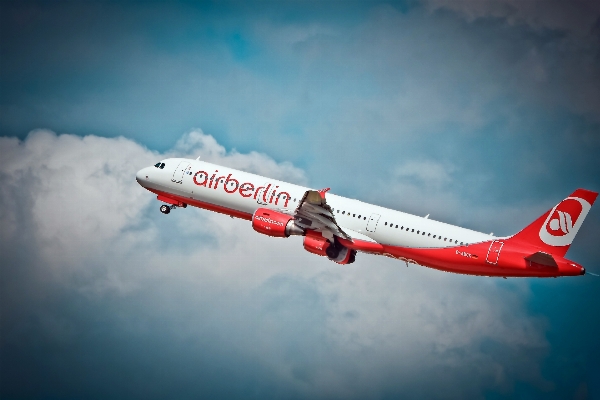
[555, 230]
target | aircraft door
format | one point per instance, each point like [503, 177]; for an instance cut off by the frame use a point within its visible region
[182, 168]
[373, 220]
[494, 252]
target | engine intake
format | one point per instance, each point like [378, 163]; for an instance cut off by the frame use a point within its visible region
[273, 223]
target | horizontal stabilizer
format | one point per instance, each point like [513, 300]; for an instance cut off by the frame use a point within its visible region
[542, 258]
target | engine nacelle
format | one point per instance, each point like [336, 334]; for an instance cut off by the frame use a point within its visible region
[315, 243]
[340, 254]
[273, 223]
[345, 256]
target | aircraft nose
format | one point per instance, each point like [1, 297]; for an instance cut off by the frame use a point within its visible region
[141, 176]
[582, 271]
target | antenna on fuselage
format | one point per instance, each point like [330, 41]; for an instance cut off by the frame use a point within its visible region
[427, 216]
[198, 159]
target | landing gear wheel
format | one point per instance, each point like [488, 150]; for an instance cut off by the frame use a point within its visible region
[165, 209]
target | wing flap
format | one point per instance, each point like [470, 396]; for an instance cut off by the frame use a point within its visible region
[314, 213]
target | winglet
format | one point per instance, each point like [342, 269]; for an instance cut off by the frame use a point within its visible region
[323, 191]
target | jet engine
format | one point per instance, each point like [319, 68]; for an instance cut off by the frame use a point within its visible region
[315, 243]
[276, 224]
[273, 223]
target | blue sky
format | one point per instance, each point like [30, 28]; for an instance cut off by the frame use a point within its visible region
[483, 114]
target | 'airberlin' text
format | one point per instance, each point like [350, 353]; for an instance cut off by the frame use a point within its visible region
[246, 189]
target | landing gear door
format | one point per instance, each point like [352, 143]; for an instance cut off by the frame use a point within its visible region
[494, 252]
[181, 169]
[372, 224]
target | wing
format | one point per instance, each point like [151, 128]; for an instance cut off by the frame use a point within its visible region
[314, 213]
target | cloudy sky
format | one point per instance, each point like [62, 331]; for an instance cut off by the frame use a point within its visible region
[481, 113]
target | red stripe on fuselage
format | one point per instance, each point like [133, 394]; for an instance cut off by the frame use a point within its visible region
[472, 259]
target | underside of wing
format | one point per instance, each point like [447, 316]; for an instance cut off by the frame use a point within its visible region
[313, 213]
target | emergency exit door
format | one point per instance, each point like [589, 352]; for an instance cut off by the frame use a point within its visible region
[494, 251]
[373, 220]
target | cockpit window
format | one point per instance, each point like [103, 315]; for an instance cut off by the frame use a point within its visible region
[157, 165]
[162, 166]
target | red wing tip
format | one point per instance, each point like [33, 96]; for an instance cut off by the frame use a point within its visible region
[323, 191]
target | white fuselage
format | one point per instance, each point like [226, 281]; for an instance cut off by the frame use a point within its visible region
[186, 178]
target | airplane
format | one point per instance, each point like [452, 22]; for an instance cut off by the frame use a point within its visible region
[337, 227]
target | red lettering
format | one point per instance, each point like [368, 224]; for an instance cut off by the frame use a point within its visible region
[272, 195]
[265, 193]
[287, 198]
[237, 184]
[204, 174]
[258, 190]
[212, 179]
[250, 188]
[217, 182]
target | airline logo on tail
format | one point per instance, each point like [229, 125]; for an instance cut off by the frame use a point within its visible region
[564, 221]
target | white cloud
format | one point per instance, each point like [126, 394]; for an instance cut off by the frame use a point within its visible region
[196, 143]
[357, 331]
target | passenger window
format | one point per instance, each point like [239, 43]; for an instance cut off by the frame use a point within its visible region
[359, 217]
[445, 239]
[429, 234]
[396, 226]
[423, 233]
[365, 218]
[343, 212]
[386, 224]
[417, 232]
[413, 230]
[434, 236]
[354, 215]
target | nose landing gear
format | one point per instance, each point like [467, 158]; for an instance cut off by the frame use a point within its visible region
[166, 208]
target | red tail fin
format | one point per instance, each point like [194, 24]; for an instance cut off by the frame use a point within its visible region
[555, 230]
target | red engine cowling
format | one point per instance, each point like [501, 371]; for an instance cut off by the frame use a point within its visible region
[315, 243]
[273, 223]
